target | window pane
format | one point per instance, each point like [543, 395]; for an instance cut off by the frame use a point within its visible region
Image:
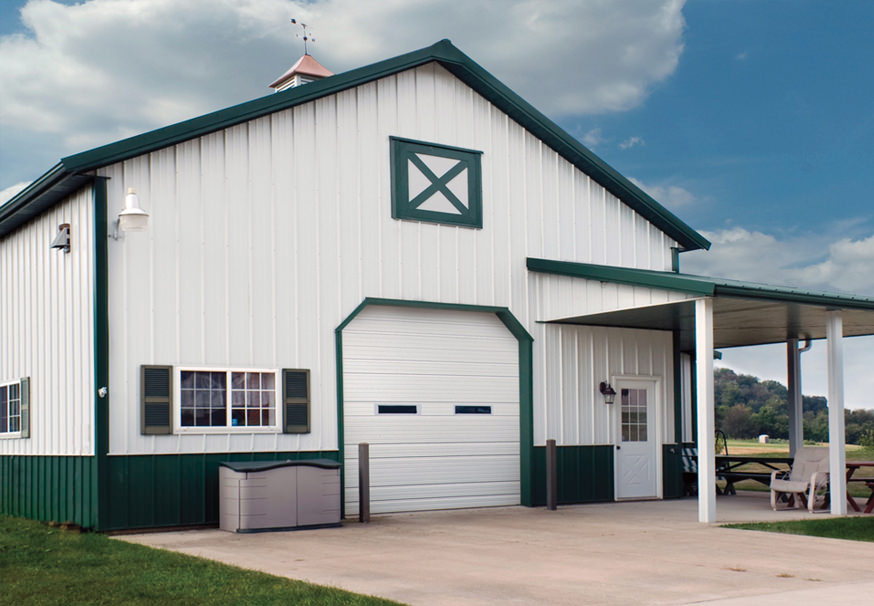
[219, 418]
[267, 398]
[218, 399]
[202, 398]
[267, 417]
[238, 417]
[187, 398]
[186, 379]
[238, 380]
[253, 380]
[218, 380]
[253, 417]
[187, 418]
[267, 380]
[201, 417]
[238, 398]
[201, 380]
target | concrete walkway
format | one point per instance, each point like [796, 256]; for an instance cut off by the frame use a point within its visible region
[613, 553]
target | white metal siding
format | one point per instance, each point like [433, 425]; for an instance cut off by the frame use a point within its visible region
[266, 235]
[569, 364]
[46, 328]
[435, 359]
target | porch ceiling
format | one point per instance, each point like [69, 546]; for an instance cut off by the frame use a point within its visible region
[737, 321]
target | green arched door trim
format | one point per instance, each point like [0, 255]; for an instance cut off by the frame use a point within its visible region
[526, 389]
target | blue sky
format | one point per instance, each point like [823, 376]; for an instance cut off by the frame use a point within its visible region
[752, 120]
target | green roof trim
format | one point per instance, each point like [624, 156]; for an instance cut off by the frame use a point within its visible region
[698, 285]
[443, 52]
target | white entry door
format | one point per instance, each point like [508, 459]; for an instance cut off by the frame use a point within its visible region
[636, 464]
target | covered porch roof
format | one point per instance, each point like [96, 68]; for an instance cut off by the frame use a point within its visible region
[744, 313]
[732, 313]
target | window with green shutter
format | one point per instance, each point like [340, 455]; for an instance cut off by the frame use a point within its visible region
[436, 183]
[295, 401]
[156, 399]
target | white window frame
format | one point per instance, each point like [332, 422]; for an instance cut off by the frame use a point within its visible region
[227, 429]
[8, 435]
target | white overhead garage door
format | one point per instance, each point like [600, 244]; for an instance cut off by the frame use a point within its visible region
[436, 395]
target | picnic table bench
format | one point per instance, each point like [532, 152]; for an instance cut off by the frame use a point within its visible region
[731, 469]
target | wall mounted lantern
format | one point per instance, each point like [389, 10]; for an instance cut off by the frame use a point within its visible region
[132, 217]
[608, 392]
[62, 239]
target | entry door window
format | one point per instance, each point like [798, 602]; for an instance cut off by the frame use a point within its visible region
[633, 415]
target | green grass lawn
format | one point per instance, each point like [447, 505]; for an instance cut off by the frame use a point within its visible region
[851, 529]
[44, 565]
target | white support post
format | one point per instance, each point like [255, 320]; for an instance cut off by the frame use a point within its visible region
[834, 330]
[795, 409]
[706, 414]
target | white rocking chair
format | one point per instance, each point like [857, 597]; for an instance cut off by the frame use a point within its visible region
[807, 478]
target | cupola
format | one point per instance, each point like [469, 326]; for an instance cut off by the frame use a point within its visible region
[304, 71]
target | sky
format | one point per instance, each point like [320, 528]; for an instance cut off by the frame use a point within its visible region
[752, 120]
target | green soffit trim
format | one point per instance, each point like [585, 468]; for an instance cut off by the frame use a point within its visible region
[443, 52]
[697, 285]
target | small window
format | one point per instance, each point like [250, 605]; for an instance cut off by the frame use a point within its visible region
[236, 399]
[10, 408]
[397, 409]
[436, 183]
[473, 410]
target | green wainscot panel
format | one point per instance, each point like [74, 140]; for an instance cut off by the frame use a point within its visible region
[672, 471]
[585, 474]
[152, 491]
[49, 488]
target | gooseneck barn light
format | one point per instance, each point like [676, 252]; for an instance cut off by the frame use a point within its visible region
[608, 392]
[132, 217]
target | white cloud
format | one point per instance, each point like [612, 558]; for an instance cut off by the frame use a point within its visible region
[593, 138]
[632, 142]
[100, 70]
[816, 260]
[10, 192]
[823, 261]
[671, 196]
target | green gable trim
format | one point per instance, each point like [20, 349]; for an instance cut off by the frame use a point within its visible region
[443, 52]
[405, 157]
[622, 275]
[698, 285]
[526, 383]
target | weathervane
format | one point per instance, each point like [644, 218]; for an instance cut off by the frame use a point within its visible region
[306, 36]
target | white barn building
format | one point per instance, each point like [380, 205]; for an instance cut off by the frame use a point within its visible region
[407, 254]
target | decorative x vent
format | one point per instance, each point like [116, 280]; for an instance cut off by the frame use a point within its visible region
[436, 183]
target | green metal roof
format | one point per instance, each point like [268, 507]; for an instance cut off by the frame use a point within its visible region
[69, 173]
[698, 285]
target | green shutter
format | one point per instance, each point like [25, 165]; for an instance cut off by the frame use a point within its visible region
[295, 401]
[24, 394]
[156, 396]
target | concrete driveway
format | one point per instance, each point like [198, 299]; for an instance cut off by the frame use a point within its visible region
[612, 553]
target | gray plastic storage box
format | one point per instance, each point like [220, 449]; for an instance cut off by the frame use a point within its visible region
[278, 495]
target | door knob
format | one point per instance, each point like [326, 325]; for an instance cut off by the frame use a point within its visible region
[618, 447]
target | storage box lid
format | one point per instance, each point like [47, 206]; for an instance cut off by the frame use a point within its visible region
[248, 466]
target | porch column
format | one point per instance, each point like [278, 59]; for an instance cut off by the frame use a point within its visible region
[834, 330]
[793, 380]
[706, 414]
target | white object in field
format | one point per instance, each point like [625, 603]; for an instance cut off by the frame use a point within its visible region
[431, 361]
[764, 438]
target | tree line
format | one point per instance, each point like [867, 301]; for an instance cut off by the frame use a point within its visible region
[747, 407]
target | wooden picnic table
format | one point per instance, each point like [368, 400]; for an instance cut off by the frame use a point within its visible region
[733, 468]
[852, 466]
